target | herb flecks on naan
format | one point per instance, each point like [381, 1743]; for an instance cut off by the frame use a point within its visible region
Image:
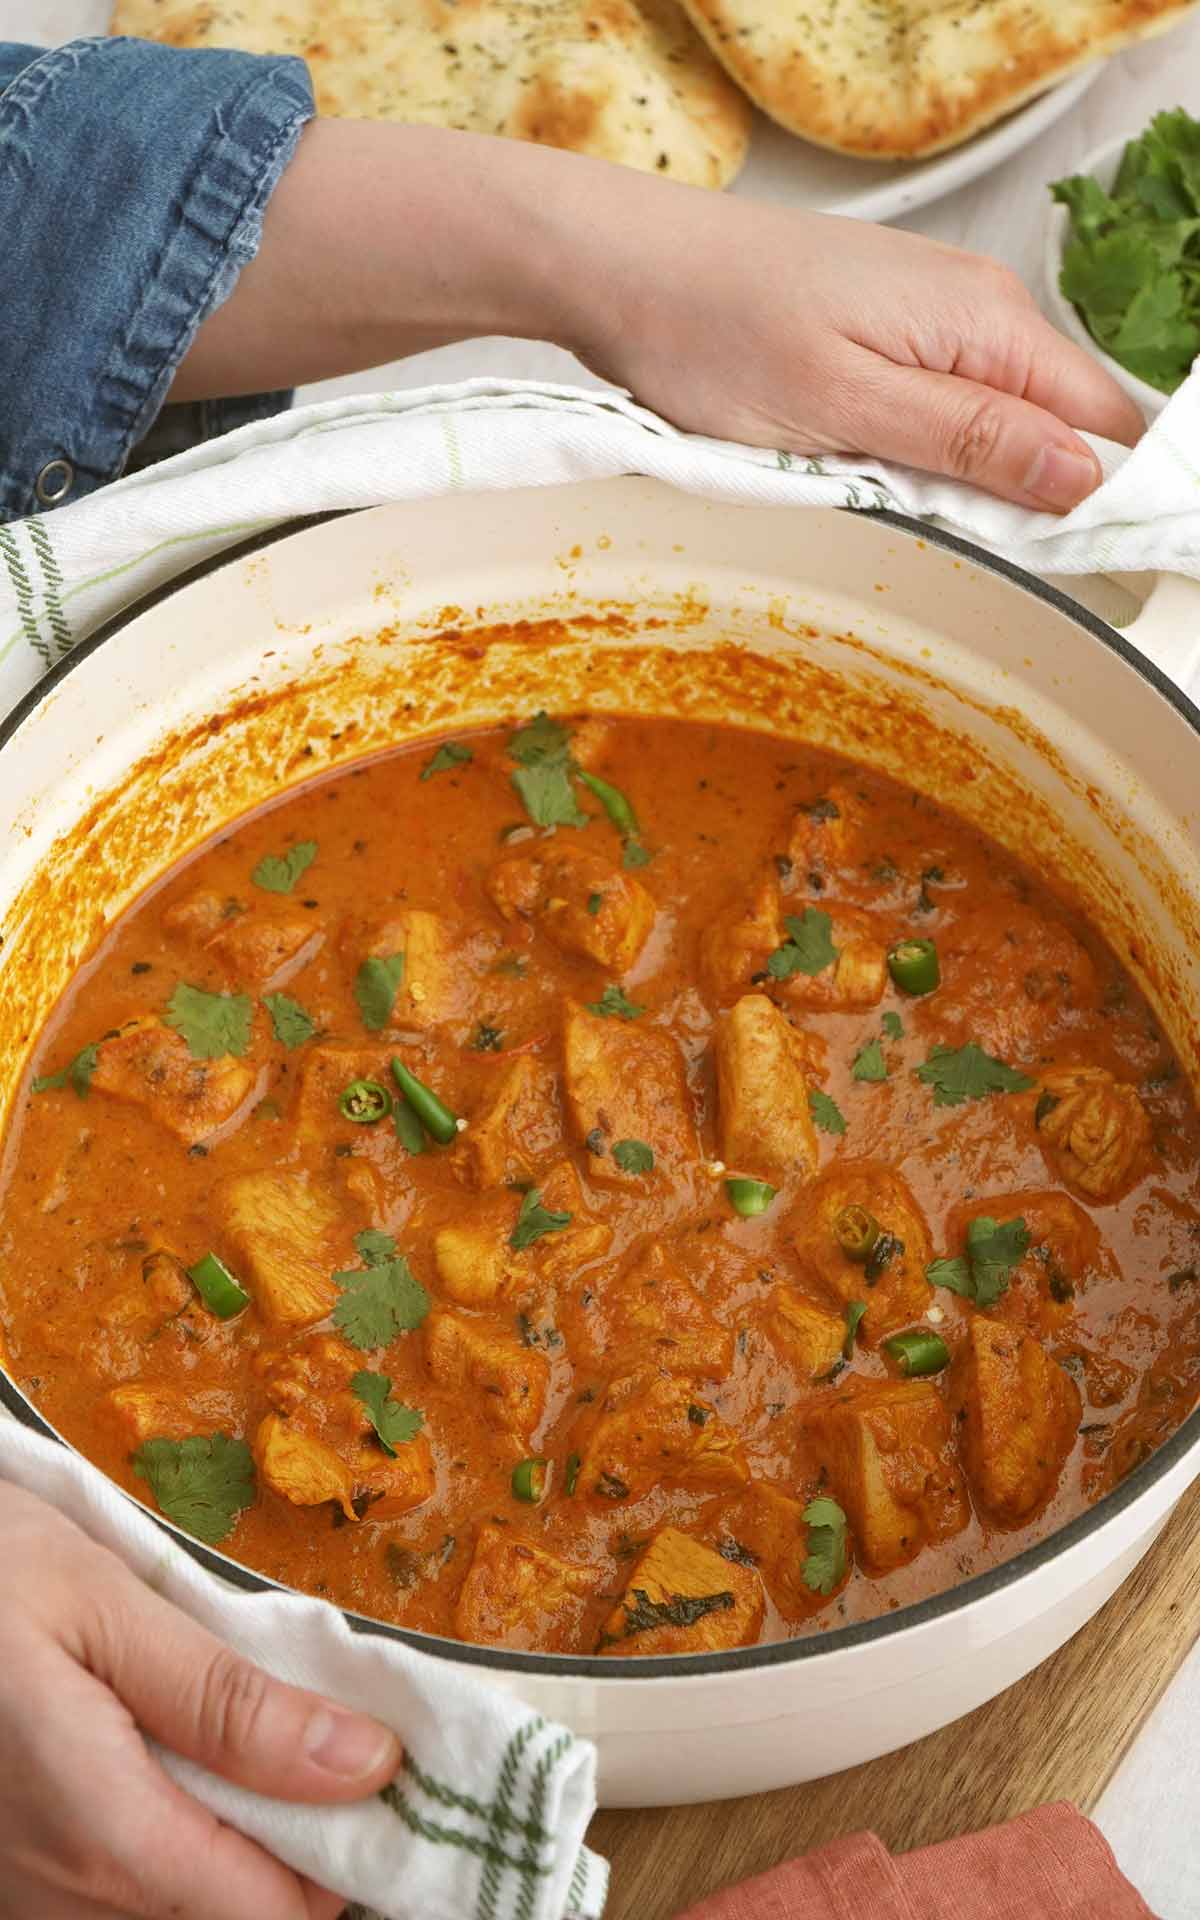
[898, 78]
[623, 80]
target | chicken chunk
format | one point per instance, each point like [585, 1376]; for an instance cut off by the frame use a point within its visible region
[325, 1073]
[1012, 976]
[319, 1368]
[477, 1263]
[300, 1468]
[892, 1281]
[508, 1380]
[198, 915]
[766, 1529]
[625, 1081]
[653, 1430]
[649, 1314]
[151, 1066]
[831, 831]
[738, 949]
[141, 1413]
[387, 1486]
[282, 1226]
[161, 1291]
[736, 946]
[516, 1130]
[857, 977]
[438, 979]
[890, 1458]
[1022, 1412]
[518, 1595]
[684, 1598]
[262, 950]
[808, 1335]
[1065, 1253]
[579, 900]
[1093, 1128]
[762, 1093]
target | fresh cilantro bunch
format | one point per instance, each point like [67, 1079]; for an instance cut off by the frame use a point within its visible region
[1131, 265]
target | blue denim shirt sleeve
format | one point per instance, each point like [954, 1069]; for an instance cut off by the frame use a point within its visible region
[133, 182]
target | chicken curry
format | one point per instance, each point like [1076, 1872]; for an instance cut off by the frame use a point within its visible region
[616, 1186]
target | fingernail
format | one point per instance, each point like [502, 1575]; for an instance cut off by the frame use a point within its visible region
[1060, 478]
[348, 1745]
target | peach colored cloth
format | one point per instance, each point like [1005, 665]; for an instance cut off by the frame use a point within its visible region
[1048, 1865]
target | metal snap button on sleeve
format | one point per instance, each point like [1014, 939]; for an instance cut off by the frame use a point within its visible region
[54, 482]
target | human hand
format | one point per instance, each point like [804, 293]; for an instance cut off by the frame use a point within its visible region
[814, 334]
[91, 1827]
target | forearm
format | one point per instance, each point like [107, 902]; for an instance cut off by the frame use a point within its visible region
[384, 241]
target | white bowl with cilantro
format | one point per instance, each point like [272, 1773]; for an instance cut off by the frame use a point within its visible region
[1122, 257]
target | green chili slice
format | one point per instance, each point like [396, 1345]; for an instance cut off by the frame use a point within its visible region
[913, 965]
[856, 1232]
[433, 1114]
[529, 1481]
[572, 1473]
[365, 1102]
[918, 1352]
[615, 805]
[217, 1287]
[749, 1197]
[409, 1131]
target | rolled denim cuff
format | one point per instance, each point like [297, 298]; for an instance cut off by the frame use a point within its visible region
[133, 182]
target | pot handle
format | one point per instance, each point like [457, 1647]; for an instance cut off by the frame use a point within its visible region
[1167, 630]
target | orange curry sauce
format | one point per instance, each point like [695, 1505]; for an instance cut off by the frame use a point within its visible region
[687, 1375]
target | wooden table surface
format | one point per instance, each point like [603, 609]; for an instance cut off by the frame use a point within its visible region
[1056, 1735]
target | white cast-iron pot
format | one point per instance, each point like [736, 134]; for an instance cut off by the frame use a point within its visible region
[869, 634]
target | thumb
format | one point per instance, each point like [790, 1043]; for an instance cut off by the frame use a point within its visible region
[944, 424]
[194, 1695]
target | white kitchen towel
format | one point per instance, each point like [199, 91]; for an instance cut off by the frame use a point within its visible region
[64, 573]
[485, 1820]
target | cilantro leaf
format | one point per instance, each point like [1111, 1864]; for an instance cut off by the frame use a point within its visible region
[289, 1022]
[202, 1484]
[279, 872]
[376, 985]
[612, 1005]
[77, 1073]
[968, 1073]
[540, 739]
[633, 1156]
[212, 1023]
[825, 1112]
[993, 1250]
[379, 1301]
[448, 755]
[869, 1063]
[547, 794]
[534, 1220]
[825, 1563]
[808, 948]
[376, 1247]
[854, 1310]
[393, 1422]
[543, 776]
[893, 1026]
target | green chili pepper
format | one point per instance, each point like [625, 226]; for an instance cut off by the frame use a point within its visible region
[365, 1102]
[749, 1197]
[615, 805]
[572, 1473]
[434, 1116]
[217, 1287]
[918, 1352]
[529, 1481]
[856, 1232]
[913, 965]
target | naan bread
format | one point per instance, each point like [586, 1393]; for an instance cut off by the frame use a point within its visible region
[626, 80]
[898, 78]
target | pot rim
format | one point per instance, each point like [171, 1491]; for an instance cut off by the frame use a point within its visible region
[809, 1646]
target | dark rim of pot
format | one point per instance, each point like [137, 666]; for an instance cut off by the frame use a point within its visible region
[778, 1653]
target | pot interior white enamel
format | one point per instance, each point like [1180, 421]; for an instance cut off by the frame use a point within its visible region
[866, 635]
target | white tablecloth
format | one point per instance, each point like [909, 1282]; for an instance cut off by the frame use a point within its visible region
[1149, 1809]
